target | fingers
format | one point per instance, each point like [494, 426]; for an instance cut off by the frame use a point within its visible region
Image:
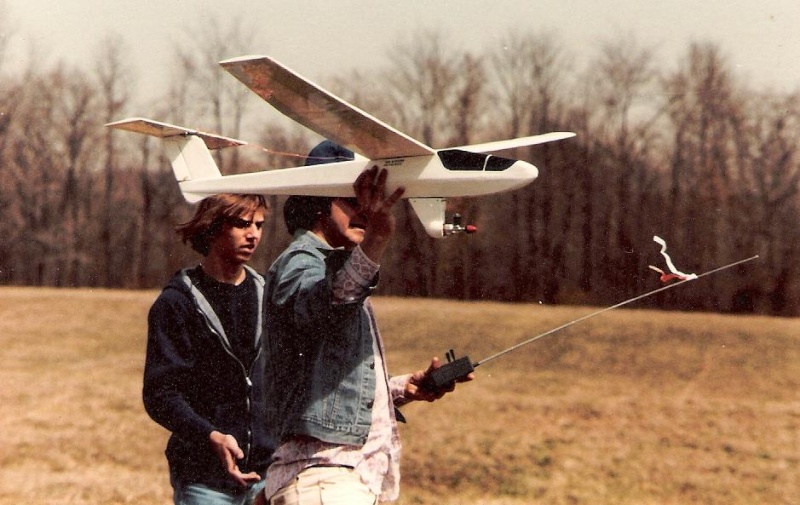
[370, 190]
[243, 479]
[467, 378]
[418, 393]
[227, 449]
[236, 452]
[434, 364]
[233, 447]
[363, 185]
[415, 389]
[379, 185]
[249, 478]
[389, 202]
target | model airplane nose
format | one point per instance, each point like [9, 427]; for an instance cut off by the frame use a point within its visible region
[524, 172]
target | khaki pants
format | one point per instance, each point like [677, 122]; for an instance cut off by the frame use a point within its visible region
[325, 485]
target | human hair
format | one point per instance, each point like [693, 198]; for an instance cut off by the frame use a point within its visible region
[302, 212]
[212, 212]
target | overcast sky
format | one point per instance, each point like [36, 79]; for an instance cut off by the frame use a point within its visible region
[319, 37]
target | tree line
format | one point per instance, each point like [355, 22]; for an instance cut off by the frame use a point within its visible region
[691, 154]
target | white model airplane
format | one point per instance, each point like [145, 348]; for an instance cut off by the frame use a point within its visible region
[428, 175]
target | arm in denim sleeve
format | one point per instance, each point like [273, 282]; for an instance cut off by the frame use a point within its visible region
[315, 289]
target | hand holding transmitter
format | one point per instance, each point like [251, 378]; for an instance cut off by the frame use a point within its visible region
[449, 373]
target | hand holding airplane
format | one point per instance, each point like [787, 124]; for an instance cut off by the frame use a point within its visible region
[428, 175]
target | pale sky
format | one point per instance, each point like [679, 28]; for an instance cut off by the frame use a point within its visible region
[319, 38]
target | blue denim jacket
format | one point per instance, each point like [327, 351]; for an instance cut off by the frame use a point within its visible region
[320, 373]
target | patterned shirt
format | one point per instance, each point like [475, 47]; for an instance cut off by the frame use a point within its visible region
[378, 461]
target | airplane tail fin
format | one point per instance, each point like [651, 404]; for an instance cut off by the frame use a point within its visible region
[190, 160]
[188, 150]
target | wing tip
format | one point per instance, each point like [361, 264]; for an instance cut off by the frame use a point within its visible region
[243, 59]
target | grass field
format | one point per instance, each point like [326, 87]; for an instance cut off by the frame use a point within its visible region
[631, 407]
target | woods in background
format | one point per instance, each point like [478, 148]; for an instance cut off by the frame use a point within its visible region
[683, 151]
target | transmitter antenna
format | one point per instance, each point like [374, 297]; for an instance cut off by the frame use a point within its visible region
[456, 369]
[620, 304]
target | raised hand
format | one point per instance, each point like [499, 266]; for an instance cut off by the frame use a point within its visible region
[376, 210]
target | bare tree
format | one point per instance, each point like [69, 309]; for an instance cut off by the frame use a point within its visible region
[767, 201]
[458, 258]
[692, 155]
[624, 80]
[706, 116]
[218, 100]
[46, 163]
[114, 79]
[530, 70]
[7, 30]
[77, 124]
[420, 86]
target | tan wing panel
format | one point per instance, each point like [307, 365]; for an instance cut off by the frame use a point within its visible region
[320, 111]
[163, 130]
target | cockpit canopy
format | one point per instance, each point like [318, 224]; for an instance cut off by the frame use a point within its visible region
[456, 159]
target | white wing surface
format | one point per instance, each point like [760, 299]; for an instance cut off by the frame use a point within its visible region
[321, 111]
[500, 145]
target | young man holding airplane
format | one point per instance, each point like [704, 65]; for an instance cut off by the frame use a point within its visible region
[330, 401]
[204, 368]
[324, 350]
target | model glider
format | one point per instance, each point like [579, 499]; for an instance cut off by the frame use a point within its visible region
[428, 175]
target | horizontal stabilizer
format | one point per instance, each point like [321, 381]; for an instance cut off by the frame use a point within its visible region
[502, 145]
[188, 150]
[165, 130]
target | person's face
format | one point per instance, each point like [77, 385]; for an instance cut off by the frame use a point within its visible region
[238, 238]
[344, 227]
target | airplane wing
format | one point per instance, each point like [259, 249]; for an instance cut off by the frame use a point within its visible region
[165, 130]
[321, 111]
[501, 145]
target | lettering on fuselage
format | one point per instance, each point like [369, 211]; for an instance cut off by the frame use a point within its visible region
[395, 162]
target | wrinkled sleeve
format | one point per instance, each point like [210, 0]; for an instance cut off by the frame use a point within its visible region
[397, 389]
[354, 280]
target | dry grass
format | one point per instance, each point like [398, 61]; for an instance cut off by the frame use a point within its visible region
[631, 407]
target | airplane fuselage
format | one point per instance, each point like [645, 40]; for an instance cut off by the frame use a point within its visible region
[447, 173]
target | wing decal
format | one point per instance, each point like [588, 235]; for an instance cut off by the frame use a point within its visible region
[321, 111]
